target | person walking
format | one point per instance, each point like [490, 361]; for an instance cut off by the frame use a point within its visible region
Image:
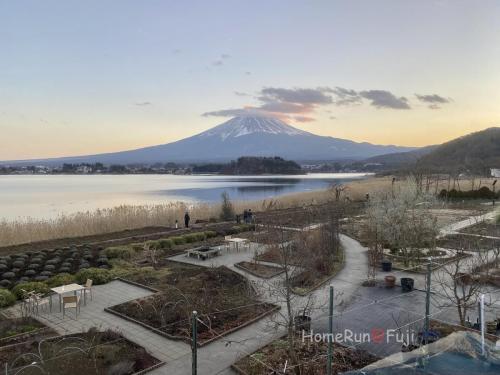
[186, 219]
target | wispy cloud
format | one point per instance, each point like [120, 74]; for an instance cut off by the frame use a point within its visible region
[300, 104]
[385, 99]
[143, 104]
[434, 101]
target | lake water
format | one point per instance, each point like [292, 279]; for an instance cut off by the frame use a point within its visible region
[42, 196]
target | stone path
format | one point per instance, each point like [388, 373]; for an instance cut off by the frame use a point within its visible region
[217, 357]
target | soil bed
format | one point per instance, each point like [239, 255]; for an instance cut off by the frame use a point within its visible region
[467, 243]
[223, 299]
[87, 353]
[312, 355]
[260, 270]
[13, 331]
[484, 229]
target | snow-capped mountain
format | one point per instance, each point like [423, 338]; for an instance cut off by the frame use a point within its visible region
[240, 126]
[240, 136]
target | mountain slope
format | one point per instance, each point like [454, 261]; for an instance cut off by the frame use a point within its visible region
[474, 153]
[240, 136]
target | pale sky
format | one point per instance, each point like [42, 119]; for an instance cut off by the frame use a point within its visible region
[81, 77]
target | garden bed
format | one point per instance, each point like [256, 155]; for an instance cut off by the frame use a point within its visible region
[308, 281]
[88, 353]
[484, 229]
[467, 242]
[13, 331]
[224, 300]
[264, 271]
[312, 356]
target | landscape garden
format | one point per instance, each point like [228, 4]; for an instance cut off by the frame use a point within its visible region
[276, 280]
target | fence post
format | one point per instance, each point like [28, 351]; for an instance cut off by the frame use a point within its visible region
[194, 349]
[330, 334]
[482, 323]
[427, 302]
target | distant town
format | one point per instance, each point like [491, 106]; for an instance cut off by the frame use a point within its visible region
[242, 166]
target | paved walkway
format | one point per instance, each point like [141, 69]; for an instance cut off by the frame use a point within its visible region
[93, 315]
[217, 357]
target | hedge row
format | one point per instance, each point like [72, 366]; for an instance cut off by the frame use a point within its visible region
[97, 275]
[482, 193]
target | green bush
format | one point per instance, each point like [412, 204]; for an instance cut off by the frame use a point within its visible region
[97, 275]
[200, 236]
[227, 210]
[178, 240]
[30, 286]
[137, 247]
[210, 234]
[60, 279]
[191, 237]
[6, 298]
[153, 244]
[166, 243]
[119, 252]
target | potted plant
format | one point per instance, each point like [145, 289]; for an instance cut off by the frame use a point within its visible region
[407, 284]
[390, 281]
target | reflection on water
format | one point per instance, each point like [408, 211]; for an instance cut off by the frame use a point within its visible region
[48, 196]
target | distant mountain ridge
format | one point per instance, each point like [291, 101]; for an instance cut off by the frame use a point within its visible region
[239, 136]
[475, 153]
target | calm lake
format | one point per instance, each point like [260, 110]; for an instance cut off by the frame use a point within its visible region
[41, 196]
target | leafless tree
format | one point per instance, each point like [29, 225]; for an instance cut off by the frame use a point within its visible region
[401, 221]
[300, 254]
[458, 282]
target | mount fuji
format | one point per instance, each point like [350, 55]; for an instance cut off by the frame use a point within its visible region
[240, 136]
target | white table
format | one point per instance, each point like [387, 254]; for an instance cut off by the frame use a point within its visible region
[237, 241]
[70, 288]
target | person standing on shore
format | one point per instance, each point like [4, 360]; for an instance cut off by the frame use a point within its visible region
[186, 219]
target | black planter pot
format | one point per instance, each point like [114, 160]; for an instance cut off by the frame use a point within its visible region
[407, 284]
[302, 323]
[386, 265]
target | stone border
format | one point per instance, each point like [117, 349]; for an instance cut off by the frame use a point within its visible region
[151, 368]
[133, 283]
[179, 338]
[236, 265]
[23, 336]
[140, 372]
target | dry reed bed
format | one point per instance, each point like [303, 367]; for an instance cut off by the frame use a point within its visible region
[132, 217]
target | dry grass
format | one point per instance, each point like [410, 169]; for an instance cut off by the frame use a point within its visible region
[131, 217]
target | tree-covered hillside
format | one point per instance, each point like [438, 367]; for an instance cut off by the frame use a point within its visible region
[474, 153]
[251, 165]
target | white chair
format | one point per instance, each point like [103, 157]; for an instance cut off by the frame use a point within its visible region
[39, 301]
[88, 289]
[71, 302]
[227, 244]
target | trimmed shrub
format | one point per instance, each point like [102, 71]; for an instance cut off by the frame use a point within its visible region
[97, 275]
[210, 234]
[60, 279]
[200, 236]
[18, 264]
[166, 243]
[8, 275]
[5, 283]
[119, 252]
[33, 286]
[191, 237]
[6, 298]
[178, 240]
[137, 247]
[152, 244]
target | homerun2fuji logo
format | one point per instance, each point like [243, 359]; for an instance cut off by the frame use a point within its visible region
[376, 335]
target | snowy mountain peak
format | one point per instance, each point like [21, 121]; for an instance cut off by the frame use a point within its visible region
[240, 126]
